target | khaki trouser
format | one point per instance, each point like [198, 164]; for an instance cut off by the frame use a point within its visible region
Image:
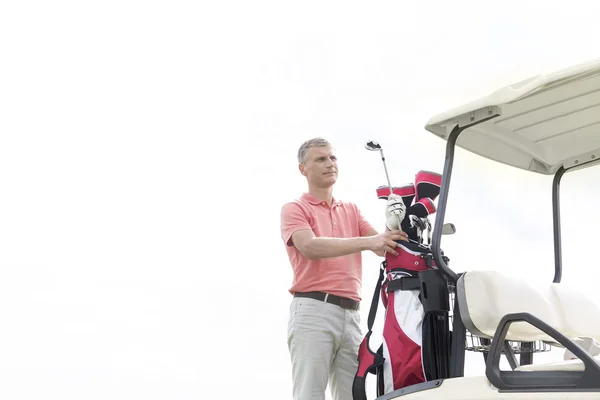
[323, 341]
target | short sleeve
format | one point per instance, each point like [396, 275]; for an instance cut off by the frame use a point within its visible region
[293, 218]
[363, 225]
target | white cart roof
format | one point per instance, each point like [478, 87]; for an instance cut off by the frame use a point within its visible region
[544, 122]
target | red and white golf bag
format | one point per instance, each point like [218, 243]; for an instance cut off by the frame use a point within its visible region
[415, 340]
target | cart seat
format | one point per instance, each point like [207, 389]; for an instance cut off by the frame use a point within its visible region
[484, 297]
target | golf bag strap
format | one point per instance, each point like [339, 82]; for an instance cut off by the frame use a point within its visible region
[368, 361]
[375, 299]
[404, 283]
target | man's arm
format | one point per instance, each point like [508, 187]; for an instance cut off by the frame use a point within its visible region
[325, 247]
[313, 247]
[296, 231]
[365, 225]
[374, 232]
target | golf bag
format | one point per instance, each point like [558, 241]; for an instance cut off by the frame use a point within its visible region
[415, 342]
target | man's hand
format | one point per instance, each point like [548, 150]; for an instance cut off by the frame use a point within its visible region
[386, 242]
[395, 211]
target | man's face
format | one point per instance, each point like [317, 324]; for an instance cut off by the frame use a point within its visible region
[320, 166]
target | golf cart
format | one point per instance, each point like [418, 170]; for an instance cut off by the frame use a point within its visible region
[548, 124]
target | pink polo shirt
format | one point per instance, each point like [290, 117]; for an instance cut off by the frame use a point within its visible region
[342, 275]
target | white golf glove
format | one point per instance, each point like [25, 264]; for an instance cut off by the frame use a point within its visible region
[395, 211]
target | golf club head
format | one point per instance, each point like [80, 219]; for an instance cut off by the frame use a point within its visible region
[418, 222]
[448, 229]
[372, 146]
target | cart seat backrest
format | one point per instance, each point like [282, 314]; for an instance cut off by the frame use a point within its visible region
[485, 297]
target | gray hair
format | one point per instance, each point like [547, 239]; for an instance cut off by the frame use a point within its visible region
[315, 142]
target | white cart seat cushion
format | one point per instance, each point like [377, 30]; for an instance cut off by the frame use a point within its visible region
[485, 297]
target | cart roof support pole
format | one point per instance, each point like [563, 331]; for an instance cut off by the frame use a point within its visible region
[556, 221]
[443, 198]
[441, 209]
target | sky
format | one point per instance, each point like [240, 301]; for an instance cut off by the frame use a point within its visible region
[146, 149]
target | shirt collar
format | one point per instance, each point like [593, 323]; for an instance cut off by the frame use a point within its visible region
[313, 200]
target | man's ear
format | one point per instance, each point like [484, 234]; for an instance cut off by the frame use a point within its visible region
[301, 169]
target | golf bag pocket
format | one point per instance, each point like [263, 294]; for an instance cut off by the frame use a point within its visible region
[411, 259]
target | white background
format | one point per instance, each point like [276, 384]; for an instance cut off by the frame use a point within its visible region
[146, 149]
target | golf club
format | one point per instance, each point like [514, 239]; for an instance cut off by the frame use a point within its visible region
[429, 231]
[416, 222]
[374, 146]
[448, 229]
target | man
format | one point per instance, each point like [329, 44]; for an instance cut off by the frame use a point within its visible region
[324, 238]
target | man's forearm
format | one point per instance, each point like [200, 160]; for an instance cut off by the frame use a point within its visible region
[327, 247]
[381, 253]
[373, 232]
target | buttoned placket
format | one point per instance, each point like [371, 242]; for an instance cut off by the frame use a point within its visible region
[334, 227]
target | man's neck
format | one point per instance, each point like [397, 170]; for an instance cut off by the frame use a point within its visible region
[325, 194]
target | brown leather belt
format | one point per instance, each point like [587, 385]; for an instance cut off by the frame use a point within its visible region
[343, 302]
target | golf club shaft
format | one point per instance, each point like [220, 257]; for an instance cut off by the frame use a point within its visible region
[385, 169]
[373, 146]
[429, 234]
[388, 181]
